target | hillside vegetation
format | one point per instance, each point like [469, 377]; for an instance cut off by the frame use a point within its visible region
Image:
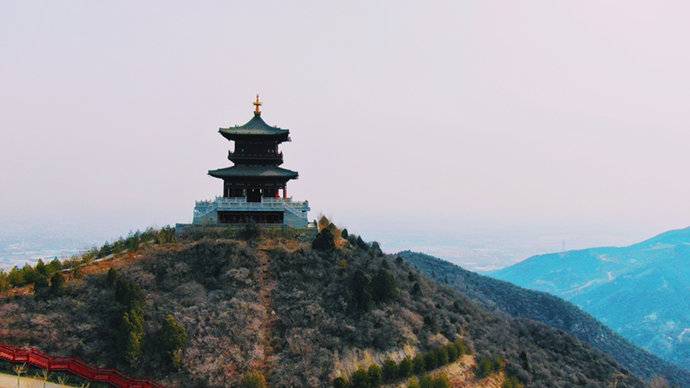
[497, 295]
[241, 308]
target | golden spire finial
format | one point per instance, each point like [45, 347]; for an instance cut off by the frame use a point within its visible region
[257, 106]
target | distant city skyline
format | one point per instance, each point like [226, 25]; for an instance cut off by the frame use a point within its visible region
[481, 128]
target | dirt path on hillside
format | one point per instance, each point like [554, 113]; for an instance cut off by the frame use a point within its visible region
[266, 286]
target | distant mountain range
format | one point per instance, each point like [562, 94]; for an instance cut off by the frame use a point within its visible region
[641, 291]
[500, 296]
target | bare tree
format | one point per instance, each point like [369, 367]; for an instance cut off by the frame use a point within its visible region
[44, 375]
[19, 370]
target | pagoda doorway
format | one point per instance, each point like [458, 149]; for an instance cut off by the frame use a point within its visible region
[254, 195]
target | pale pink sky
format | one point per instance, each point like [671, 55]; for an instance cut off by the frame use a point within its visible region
[405, 116]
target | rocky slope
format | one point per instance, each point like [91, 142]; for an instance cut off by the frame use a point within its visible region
[299, 315]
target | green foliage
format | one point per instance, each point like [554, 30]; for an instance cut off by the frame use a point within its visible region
[340, 382]
[384, 287]
[128, 294]
[57, 284]
[324, 240]
[54, 266]
[375, 249]
[405, 368]
[414, 383]
[441, 355]
[254, 379]
[165, 235]
[440, 381]
[425, 382]
[4, 281]
[130, 335]
[361, 243]
[422, 362]
[375, 375]
[28, 275]
[360, 379]
[418, 364]
[430, 361]
[512, 382]
[344, 234]
[41, 272]
[16, 277]
[40, 269]
[360, 291]
[390, 370]
[343, 264]
[452, 351]
[462, 347]
[488, 365]
[173, 338]
[416, 290]
[41, 286]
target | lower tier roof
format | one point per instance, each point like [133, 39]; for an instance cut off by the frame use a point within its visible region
[253, 171]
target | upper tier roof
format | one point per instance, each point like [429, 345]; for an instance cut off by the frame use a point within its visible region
[255, 126]
[257, 171]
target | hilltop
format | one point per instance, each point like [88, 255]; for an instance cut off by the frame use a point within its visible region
[501, 296]
[293, 308]
[640, 291]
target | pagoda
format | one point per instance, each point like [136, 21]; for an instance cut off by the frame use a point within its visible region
[255, 187]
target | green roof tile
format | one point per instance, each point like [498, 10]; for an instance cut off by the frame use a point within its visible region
[255, 126]
[257, 171]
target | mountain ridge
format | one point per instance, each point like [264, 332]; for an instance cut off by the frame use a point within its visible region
[639, 290]
[498, 295]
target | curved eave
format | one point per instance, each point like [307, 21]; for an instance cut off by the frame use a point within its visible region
[238, 134]
[255, 172]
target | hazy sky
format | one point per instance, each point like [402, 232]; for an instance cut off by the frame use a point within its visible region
[407, 118]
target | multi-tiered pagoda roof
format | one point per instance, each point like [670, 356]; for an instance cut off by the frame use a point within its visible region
[252, 187]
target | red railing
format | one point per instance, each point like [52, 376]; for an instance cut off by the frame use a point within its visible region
[71, 365]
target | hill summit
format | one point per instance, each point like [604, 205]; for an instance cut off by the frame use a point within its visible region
[290, 308]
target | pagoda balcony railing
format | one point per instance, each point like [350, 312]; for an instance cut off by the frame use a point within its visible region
[243, 155]
[241, 203]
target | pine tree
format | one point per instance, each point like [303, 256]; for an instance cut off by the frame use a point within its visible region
[375, 375]
[383, 285]
[173, 339]
[339, 382]
[390, 370]
[418, 364]
[405, 368]
[57, 284]
[360, 379]
[130, 336]
[441, 356]
[359, 288]
[41, 286]
[324, 240]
